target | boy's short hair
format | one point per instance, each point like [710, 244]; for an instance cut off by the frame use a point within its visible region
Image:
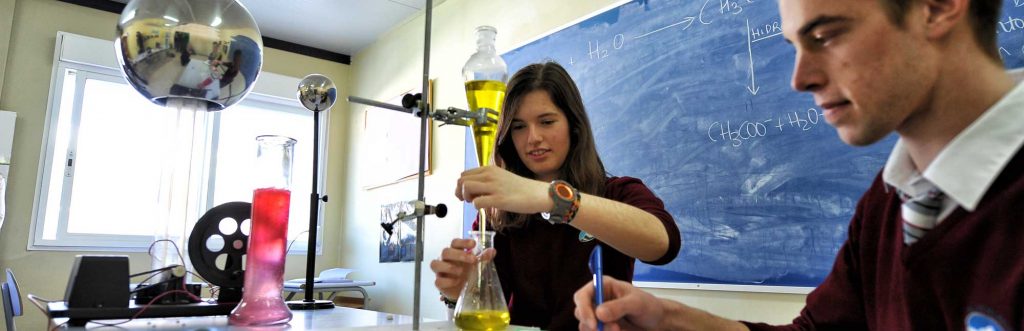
[984, 15]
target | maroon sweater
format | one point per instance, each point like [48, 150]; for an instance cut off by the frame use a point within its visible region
[542, 265]
[968, 270]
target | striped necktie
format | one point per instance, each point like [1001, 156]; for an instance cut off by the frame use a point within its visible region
[920, 214]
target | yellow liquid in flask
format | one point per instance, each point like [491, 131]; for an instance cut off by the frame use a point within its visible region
[482, 320]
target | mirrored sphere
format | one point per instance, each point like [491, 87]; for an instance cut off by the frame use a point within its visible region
[317, 92]
[209, 50]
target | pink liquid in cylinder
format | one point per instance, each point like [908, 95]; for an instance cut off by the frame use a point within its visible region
[262, 303]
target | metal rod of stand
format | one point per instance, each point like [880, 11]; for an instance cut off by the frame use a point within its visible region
[423, 157]
[314, 210]
[378, 104]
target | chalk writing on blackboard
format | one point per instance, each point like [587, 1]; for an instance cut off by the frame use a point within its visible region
[738, 132]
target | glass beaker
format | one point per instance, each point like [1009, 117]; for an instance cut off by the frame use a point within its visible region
[481, 304]
[262, 303]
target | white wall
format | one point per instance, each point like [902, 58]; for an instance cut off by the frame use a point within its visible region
[393, 65]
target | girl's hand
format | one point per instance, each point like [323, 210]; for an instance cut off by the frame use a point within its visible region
[494, 187]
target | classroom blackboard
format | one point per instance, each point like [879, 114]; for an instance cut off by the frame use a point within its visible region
[693, 98]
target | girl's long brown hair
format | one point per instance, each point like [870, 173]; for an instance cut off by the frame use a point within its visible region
[582, 168]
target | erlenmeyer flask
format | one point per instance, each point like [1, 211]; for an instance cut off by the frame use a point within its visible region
[481, 304]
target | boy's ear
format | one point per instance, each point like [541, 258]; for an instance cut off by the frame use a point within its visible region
[944, 15]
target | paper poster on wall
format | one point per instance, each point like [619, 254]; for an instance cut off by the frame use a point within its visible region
[6, 136]
[398, 234]
[3, 197]
[7, 120]
[396, 139]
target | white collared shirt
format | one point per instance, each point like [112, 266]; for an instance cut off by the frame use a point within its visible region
[965, 169]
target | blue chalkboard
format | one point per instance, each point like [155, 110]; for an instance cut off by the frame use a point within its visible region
[693, 98]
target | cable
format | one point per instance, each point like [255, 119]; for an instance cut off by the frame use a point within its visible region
[184, 287]
[200, 277]
[209, 286]
[296, 237]
[55, 327]
[155, 273]
[143, 282]
[40, 303]
[143, 308]
[171, 267]
[35, 302]
[181, 257]
[212, 288]
[176, 249]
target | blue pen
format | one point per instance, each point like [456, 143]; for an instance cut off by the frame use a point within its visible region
[596, 265]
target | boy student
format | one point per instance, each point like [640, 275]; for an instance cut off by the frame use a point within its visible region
[936, 241]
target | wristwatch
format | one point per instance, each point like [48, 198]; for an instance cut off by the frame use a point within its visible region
[567, 202]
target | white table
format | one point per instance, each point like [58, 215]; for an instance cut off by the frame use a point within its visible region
[339, 318]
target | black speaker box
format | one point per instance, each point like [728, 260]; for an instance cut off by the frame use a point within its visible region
[98, 281]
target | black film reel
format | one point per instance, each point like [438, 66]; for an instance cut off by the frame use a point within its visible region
[219, 241]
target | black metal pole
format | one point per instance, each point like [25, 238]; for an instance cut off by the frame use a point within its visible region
[423, 157]
[314, 210]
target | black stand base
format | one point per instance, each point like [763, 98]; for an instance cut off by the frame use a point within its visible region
[310, 305]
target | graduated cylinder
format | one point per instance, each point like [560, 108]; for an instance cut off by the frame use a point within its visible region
[262, 303]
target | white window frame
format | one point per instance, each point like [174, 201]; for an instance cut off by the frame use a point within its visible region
[94, 58]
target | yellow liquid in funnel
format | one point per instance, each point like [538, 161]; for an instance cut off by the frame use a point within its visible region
[482, 320]
[485, 94]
